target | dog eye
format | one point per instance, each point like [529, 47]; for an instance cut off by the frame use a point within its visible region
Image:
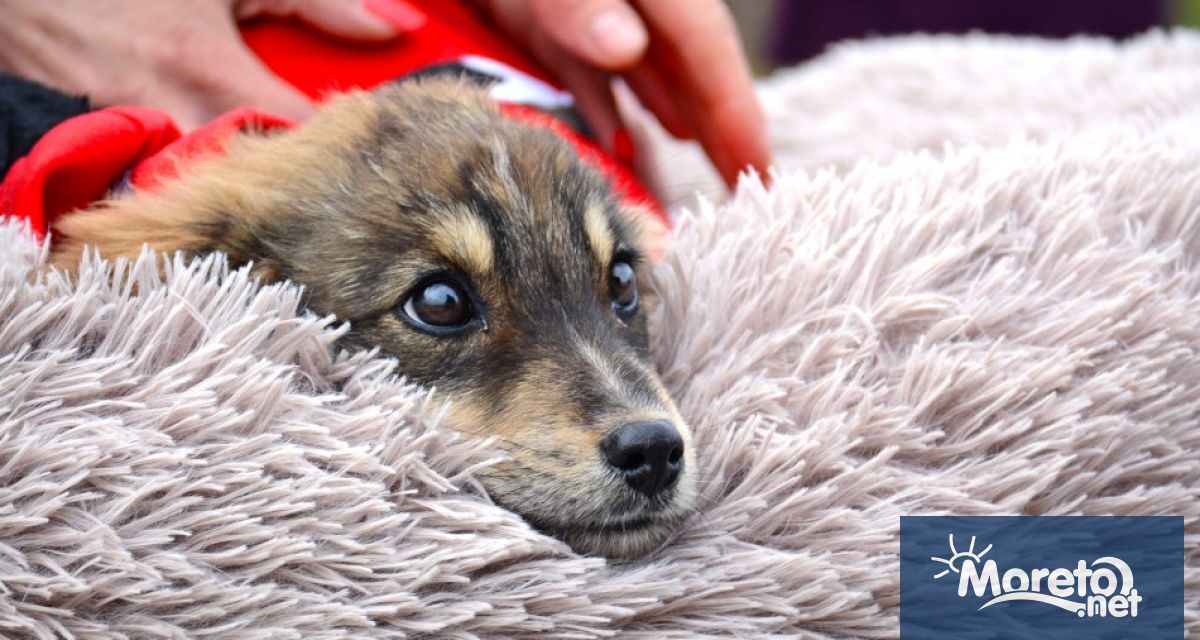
[439, 305]
[622, 287]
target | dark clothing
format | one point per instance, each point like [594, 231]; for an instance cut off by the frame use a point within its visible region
[27, 111]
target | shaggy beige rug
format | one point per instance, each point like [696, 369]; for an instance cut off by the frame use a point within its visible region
[1006, 325]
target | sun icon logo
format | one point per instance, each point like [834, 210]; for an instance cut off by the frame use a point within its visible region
[957, 557]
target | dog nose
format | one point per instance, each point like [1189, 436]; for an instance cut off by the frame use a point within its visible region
[649, 455]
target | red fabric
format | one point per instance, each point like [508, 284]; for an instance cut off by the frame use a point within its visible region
[77, 162]
[80, 160]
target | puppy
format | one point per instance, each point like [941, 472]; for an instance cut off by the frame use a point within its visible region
[483, 255]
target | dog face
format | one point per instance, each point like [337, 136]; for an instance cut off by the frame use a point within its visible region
[488, 260]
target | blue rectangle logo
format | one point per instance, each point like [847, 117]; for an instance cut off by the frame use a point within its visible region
[1060, 577]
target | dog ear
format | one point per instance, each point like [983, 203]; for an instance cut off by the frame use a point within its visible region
[227, 201]
[233, 202]
[196, 218]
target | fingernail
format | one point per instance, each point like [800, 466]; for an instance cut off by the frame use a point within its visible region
[617, 36]
[397, 13]
[623, 148]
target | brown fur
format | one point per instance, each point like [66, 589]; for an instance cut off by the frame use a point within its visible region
[380, 190]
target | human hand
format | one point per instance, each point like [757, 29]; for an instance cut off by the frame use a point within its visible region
[682, 58]
[187, 59]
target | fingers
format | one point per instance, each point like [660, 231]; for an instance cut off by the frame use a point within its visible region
[346, 19]
[401, 15]
[364, 20]
[696, 53]
[682, 58]
[605, 33]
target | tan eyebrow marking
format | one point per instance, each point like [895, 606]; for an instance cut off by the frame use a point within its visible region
[595, 224]
[463, 237]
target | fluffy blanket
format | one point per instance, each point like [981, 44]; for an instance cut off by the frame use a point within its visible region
[1008, 324]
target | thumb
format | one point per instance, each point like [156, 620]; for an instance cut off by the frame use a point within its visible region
[605, 33]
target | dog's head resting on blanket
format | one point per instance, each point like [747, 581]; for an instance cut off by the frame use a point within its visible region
[485, 257]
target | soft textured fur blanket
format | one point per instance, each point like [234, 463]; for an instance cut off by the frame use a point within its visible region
[1006, 325]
